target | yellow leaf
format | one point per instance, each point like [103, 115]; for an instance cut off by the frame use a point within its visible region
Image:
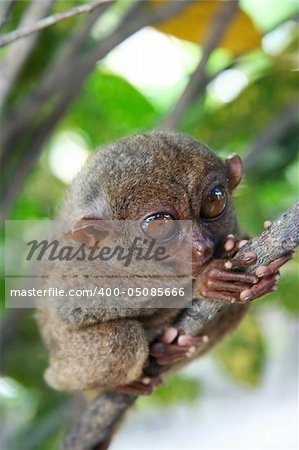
[192, 24]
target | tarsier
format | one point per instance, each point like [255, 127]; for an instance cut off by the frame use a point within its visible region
[153, 178]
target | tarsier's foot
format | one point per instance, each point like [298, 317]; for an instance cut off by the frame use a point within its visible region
[172, 346]
[144, 386]
[220, 281]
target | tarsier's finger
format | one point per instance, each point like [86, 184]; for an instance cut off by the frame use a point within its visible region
[225, 275]
[145, 386]
[151, 381]
[270, 269]
[264, 286]
[231, 243]
[243, 260]
[170, 353]
[216, 285]
[159, 350]
[230, 297]
[169, 335]
[187, 340]
[136, 388]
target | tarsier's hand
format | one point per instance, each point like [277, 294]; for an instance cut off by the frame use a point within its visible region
[173, 346]
[220, 280]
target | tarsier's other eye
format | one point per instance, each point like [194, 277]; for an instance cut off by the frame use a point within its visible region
[160, 226]
[214, 203]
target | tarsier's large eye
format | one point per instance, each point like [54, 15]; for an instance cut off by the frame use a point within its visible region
[214, 203]
[160, 226]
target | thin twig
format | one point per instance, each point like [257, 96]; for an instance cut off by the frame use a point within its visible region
[282, 123]
[216, 32]
[48, 21]
[80, 36]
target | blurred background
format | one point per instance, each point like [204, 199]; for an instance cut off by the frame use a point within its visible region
[227, 74]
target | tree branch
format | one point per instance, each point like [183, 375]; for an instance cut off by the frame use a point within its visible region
[216, 32]
[18, 53]
[48, 21]
[283, 122]
[80, 37]
[97, 424]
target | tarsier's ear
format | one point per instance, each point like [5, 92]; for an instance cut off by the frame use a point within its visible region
[90, 230]
[235, 169]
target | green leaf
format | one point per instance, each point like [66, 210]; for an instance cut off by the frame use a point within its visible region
[177, 388]
[109, 108]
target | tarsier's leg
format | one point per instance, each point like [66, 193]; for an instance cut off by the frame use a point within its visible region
[104, 355]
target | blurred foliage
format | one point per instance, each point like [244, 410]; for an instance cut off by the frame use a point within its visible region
[104, 119]
[243, 353]
[109, 107]
[51, 39]
[177, 388]
[193, 23]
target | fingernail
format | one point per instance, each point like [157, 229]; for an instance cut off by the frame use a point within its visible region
[169, 335]
[191, 351]
[249, 256]
[262, 271]
[228, 265]
[267, 223]
[245, 296]
[229, 245]
[184, 339]
[242, 243]
[205, 339]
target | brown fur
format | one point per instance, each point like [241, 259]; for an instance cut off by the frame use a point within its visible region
[127, 180]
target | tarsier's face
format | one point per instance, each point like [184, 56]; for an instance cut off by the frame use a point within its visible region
[160, 179]
[164, 226]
